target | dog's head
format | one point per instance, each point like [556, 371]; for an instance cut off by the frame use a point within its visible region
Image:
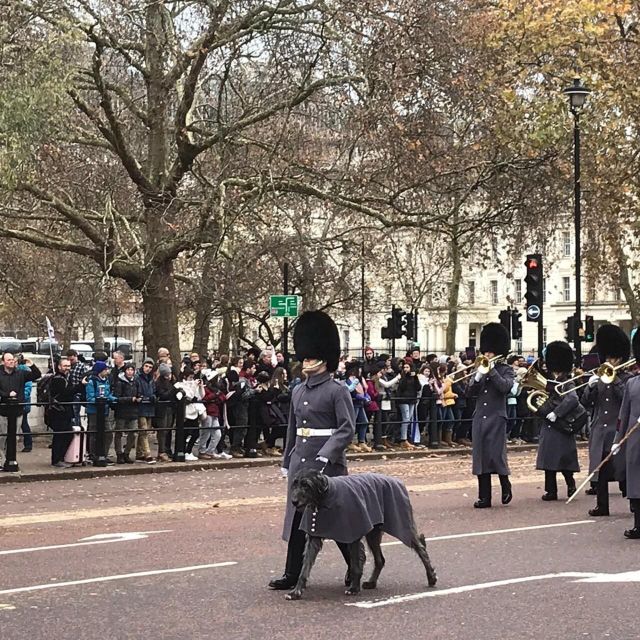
[309, 489]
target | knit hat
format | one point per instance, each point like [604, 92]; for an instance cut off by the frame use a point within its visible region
[149, 361]
[164, 369]
[99, 367]
[129, 365]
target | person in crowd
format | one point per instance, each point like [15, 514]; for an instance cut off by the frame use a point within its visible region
[242, 386]
[265, 362]
[388, 382]
[372, 408]
[489, 426]
[604, 400]
[12, 383]
[146, 391]
[210, 431]
[76, 375]
[273, 398]
[27, 438]
[448, 396]
[195, 411]
[98, 384]
[408, 392]
[61, 412]
[117, 366]
[223, 365]
[127, 412]
[164, 411]
[369, 364]
[630, 452]
[462, 423]
[357, 388]
[557, 450]
[426, 406]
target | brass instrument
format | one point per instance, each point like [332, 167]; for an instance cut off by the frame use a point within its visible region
[481, 364]
[533, 379]
[606, 372]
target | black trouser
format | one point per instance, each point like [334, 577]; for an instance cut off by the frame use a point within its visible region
[551, 484]
[279, 431]
[602, 486]
[484, 485]
[295, 548]
[377, 426]
[61, 441]
[191, 433]
[635, 507]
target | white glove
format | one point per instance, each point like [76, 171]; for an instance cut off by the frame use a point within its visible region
[552, 417]
[593, 380]
[615, 448]
[179, 395]
[479, 376]
[284, 472]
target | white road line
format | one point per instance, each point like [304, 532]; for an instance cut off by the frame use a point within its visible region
[493, 532]
[435, 593]
[101, 538]
[122, 576]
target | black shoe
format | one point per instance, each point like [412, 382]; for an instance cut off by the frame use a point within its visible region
[548, 497]
[591, 491]
[571, 489]
[26, 450]
[119, 458]
[286, 582]
[599, 511]
[380, 447]
[253, 453]
[482, 504]
[632, 534]
[109, 462]
[507, 496]
[127, 459]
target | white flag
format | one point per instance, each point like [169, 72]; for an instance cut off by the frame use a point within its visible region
[50, 332]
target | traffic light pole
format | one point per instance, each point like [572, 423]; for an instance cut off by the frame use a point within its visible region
[393, 340]
[541, 331]
[577, 221]
[285, 324]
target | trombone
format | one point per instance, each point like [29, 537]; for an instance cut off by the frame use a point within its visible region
[533, 379]
[606, 372]
[481, 363]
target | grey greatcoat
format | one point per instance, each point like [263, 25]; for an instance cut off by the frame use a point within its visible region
[354, 505]
[318, 403]
[557, 449]
[489, 426]
[605, 401]
[629, 415]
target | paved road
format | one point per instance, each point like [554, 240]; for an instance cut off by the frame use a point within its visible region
[529, 570]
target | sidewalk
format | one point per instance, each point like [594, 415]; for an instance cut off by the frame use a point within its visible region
[36, 465]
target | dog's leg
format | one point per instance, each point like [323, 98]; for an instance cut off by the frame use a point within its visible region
[419, 545]
[374, 538]
[356, 568]
[311, 551]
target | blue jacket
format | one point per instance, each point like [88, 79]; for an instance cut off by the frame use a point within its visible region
[28, 387]
[97, 386]
[146, 391]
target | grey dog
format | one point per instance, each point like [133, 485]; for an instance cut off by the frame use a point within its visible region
[348, 508]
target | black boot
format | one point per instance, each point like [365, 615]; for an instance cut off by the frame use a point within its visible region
[484, 491]
[602, 499]
[634, 534]
[505, 485]
[549, 497]
[571, 483]
[119, 458]
[286, 582]
[550, 486]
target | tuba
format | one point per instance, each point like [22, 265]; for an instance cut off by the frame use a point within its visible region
[533, 379]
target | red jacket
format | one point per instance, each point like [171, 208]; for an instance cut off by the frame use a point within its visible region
[213, 401]
[372, 406]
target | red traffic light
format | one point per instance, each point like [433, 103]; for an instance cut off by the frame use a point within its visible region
[532, 263]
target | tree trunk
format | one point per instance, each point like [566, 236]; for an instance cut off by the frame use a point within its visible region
[627, 287]
[202, 328]
[225, 333]
[97, 330]
[160, 312]
[454, 294]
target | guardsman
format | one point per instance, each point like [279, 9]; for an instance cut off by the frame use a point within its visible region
[557, 449]
[321, 426]
[604, 399]
[491, 385]
[629, 416]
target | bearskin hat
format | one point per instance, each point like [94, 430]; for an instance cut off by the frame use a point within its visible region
[494, 338]
[636, 345]
[558, 356]
[315, 336]
[612, 342]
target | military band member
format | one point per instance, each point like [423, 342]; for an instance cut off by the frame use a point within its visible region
[557, 448]
[604, 398]
[491, 385]
[629, 415]
[321, 425]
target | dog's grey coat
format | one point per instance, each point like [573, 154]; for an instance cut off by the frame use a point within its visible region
[354, 505]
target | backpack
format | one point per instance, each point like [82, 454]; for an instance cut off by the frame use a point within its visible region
[43, 388]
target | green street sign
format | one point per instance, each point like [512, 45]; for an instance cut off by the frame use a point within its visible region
[284, 306]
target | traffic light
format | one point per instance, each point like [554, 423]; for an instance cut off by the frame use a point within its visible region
[397, 322]
[411, 328]
[571, 329]
[516, 324]
[589, 329]
[386, 332]
[505, 319]
[534, 281]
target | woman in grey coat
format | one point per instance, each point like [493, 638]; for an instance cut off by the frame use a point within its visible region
[489, 426]
[557, 449]
[604, 399]
[629, 416]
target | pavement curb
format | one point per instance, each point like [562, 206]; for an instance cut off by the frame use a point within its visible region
[236, 463]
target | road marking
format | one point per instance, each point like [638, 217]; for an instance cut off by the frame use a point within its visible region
[122, 576]
[435, 593]
[627, 576]
[100, 538]
[493, 532]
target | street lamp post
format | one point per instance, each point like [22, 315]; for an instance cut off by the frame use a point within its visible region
[577, 94]
[116, 320]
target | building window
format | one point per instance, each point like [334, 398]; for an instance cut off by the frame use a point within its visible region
[519, 346]
[566, 244]
[566, 289]
[617, 295]
[544, 336]
[345, 340]
[517, 296]
[471, 292]
[544, 290]
[493, 287]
